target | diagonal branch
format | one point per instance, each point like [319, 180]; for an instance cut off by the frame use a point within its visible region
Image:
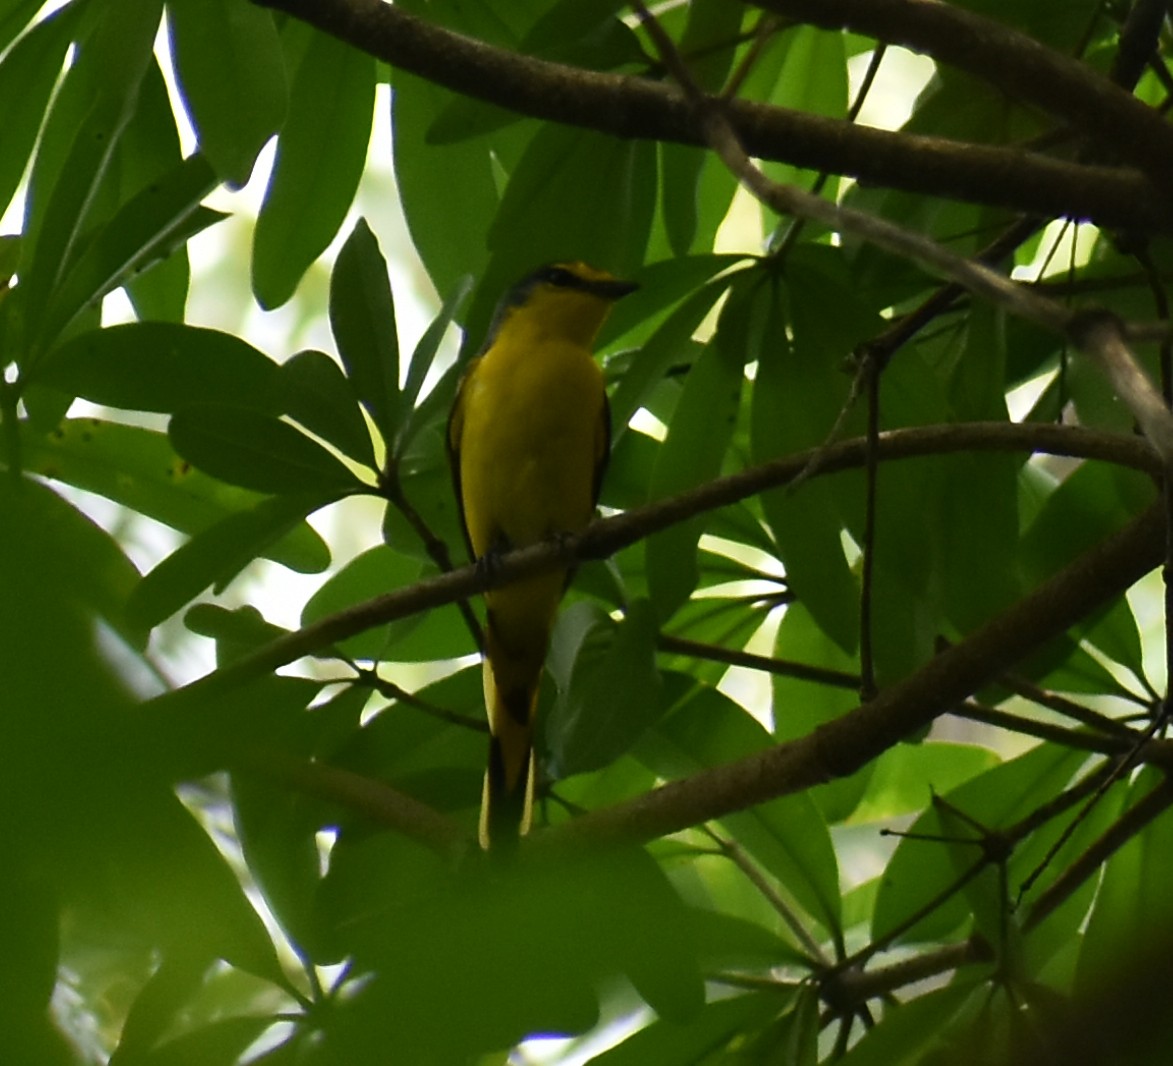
[1008, 60]
[628, 106]
[607, 536]
[844, 745]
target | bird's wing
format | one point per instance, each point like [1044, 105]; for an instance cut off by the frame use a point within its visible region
[602, 449]
[452, 446]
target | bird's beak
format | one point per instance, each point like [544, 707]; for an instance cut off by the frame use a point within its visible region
[614, 289]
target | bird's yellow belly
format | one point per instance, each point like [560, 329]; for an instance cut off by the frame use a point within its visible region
[538, 433]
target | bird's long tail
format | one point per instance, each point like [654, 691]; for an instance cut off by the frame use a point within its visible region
[512, 676]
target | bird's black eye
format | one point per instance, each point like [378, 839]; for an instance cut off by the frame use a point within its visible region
[556, 275]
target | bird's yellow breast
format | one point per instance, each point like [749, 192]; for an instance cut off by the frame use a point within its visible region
[533, 433]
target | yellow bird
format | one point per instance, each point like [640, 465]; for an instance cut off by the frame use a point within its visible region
[528, 439]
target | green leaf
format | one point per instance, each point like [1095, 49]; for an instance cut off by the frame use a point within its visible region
[727, 941]
[235, 632]
[164, 215]
[163, 366]
[137, 468]
[800, 705]
[921, 869]
[694, 451]
[362, 316]
[812, 79]
[787, 836]
[1129, 908]
[27, 76]
[256, 451]
[908, 1035]
[659, 354]
[231, 71]
[425, 480]
[605, 178]
[430, 744]
[422, 359]
[219, 1043]
[372, 573]
[610, 694]
[716, 1030]
[159, 1000]
[905, 776]
[568, 928]
[14, 18]
[105, 80]
[316, 393]
[710, 25]
[321, 152]
[216, 555]
[798, 392]
[640, 315]
[610, 182]
[1093, 501]
[149, 149]
[276, 827]
[450, 192]
[1115, 633]
[88, 558]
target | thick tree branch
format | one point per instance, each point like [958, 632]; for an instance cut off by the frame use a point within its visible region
[848, 990]
[379, 802]
[629, 106]
[840, 747]
[1012, 62]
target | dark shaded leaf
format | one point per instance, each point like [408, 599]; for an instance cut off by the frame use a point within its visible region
[27, 76]
[104, 80]
[321, 152]
[163, 366]
[315, 392]
[148, 228]
[256, 451]
[694, 450]
[138, 468]
[362, 316]
[610, 693]
[232, 75]
[217, 554]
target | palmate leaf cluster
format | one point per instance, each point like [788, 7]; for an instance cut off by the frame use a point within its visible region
[752, 913]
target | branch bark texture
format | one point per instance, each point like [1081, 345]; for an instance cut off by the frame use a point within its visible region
[842, 746]
[628, 106]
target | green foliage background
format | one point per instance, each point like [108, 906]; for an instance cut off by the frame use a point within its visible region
[278, 867]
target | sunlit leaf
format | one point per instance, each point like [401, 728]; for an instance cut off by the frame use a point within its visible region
[230, 69]
[320, 155]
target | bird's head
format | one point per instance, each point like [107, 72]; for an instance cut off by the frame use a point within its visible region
[570, 300]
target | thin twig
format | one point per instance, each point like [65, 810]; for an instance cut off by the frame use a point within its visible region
[870, 368]
[1117, 835]
[972, 711]
[820, 675]
[392, 691]
[733, 851]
